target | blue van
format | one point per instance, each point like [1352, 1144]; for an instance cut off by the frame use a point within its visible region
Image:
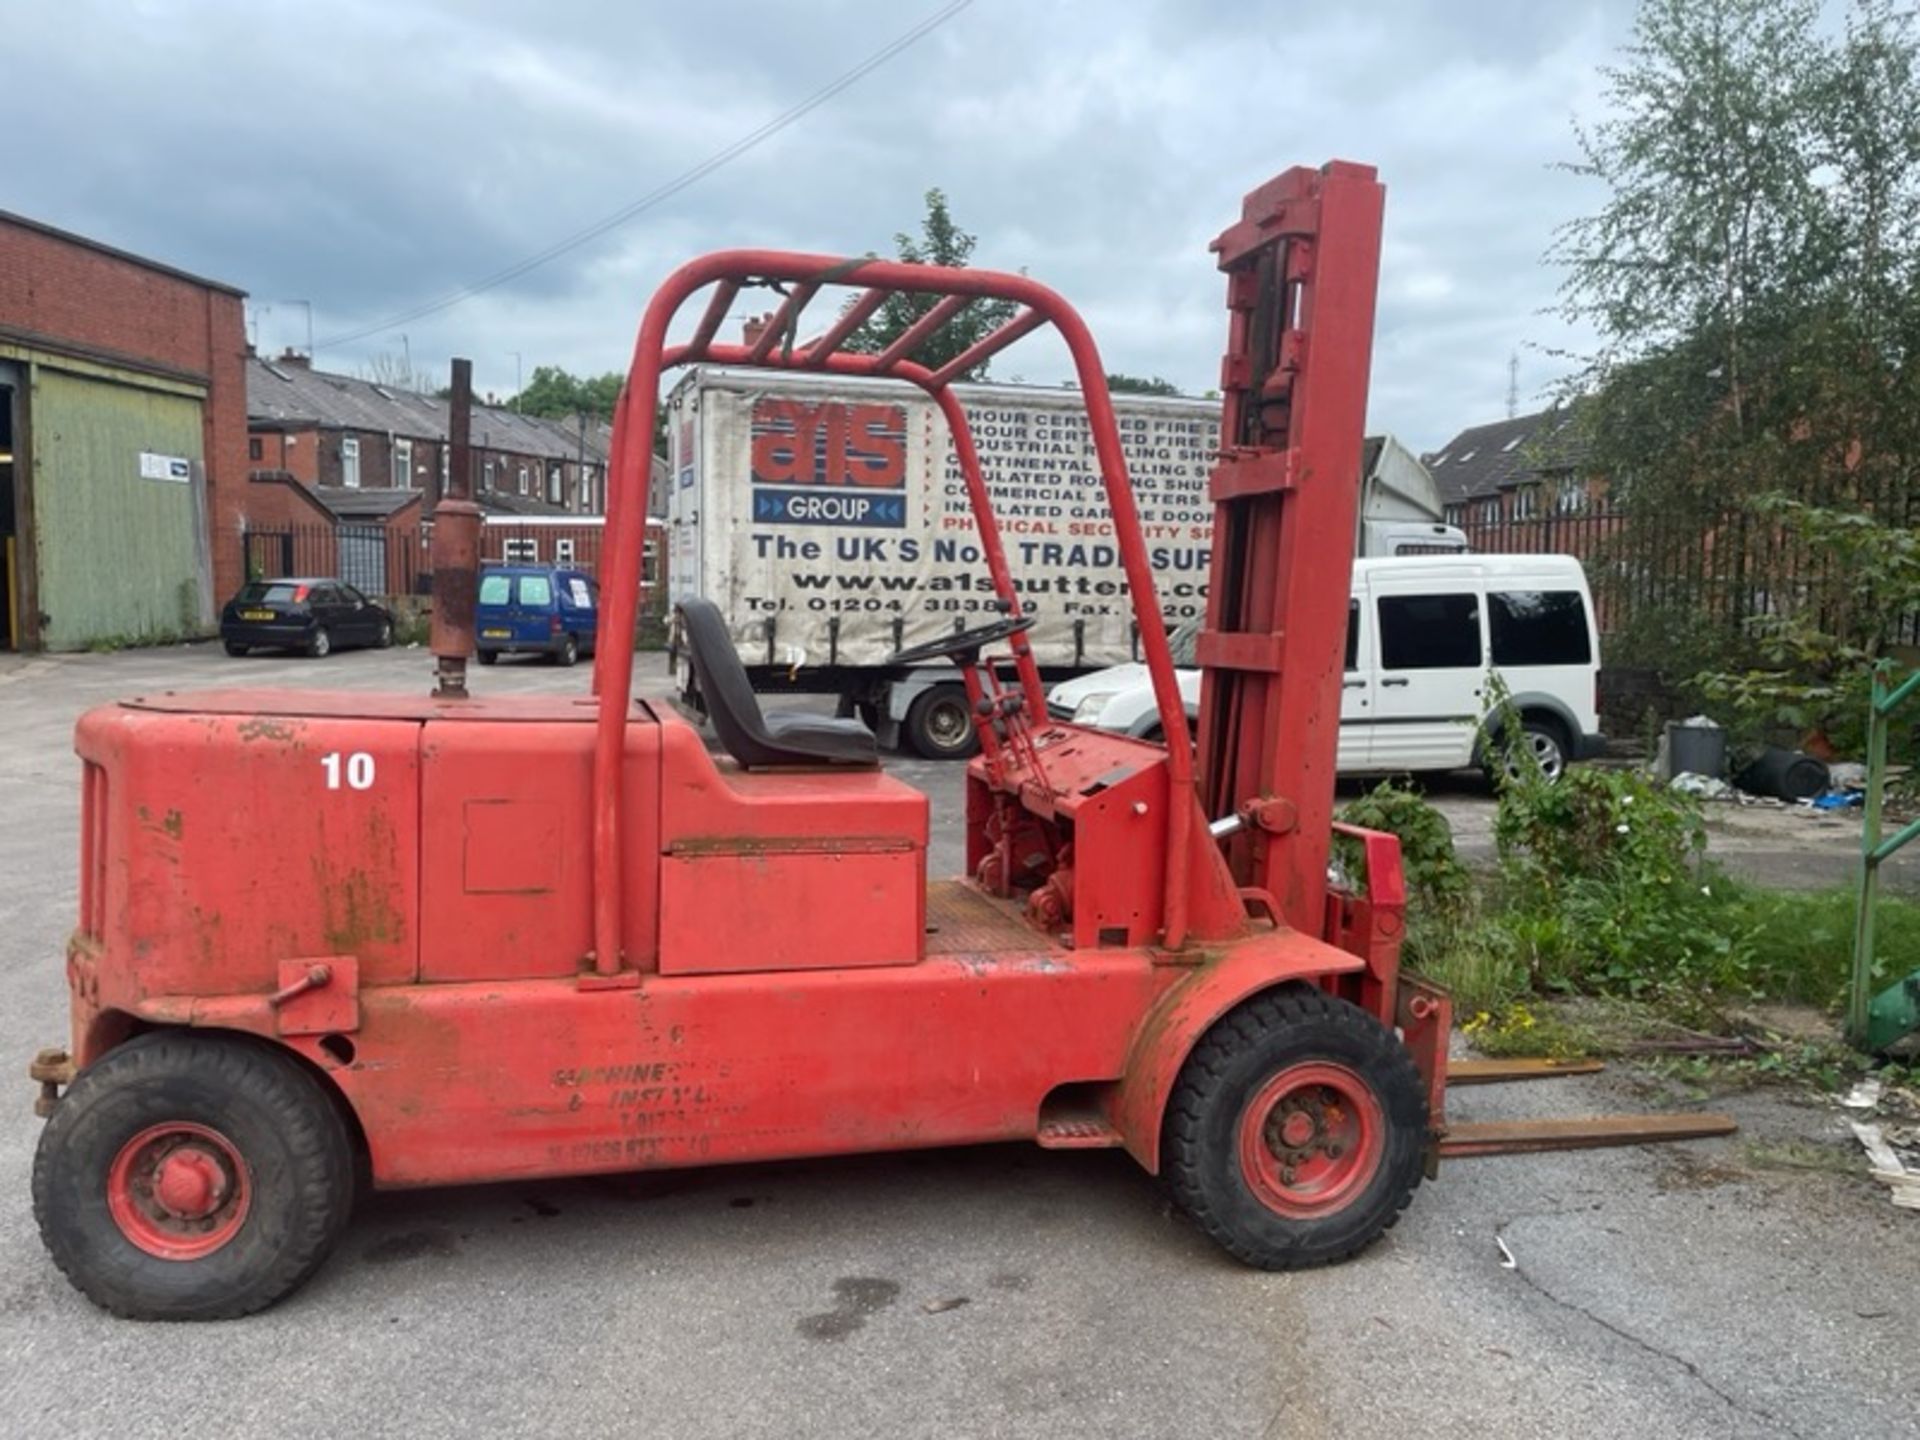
[536, 609]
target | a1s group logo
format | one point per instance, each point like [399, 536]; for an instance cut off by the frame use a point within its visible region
[829, 463]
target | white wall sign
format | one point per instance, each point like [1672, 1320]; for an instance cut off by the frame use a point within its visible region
[165, 467]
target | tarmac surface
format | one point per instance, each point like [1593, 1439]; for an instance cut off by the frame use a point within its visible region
[1754, 1286]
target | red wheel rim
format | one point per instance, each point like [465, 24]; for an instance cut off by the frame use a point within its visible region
[178, 1191]
[1311, 1140]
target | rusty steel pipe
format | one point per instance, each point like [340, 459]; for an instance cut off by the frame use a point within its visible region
[456, 549]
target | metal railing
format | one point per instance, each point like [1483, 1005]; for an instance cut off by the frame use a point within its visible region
[1874, 1023]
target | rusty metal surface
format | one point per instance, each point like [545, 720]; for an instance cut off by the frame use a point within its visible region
[1496, 1072]
[962, 920]
[1585, 1132]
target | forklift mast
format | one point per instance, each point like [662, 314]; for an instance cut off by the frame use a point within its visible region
[1301, 268]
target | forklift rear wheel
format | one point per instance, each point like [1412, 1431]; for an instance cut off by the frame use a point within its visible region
[568, 653]
[192, 1177]
[321, 645]
[1297, 1131]
[940, 724]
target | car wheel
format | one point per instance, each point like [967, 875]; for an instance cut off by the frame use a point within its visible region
[192, 1177]
[486, 657]
[940, 724]
[1545, 741]
[569, 652]
[236, 649]
[1297, 1131]
[321, 645]
[385, 639]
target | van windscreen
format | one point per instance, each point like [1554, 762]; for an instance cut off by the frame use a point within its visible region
[1539, 627]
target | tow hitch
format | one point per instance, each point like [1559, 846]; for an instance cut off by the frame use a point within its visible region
[50, 1070]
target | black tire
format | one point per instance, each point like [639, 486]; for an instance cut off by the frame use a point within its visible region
[297, 1157]
[1246, 1052]
[236, 649]
[384, 640]
[568, 655]
[940, 726]
[1545, 737]
[486, 657]
[320, 644]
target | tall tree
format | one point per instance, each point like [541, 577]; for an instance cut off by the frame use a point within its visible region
[556, 394]
[1753, 275]
[941, 242]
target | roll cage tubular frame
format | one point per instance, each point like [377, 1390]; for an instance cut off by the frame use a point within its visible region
[954, 290]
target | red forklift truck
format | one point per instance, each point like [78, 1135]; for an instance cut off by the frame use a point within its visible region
[332, 940]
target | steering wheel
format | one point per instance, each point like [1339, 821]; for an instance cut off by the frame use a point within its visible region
[963, 646]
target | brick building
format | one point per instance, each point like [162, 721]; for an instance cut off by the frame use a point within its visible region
[123, 432]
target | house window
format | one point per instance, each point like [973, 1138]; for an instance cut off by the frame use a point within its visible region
[521, 552]
[563, 551]
[350, 462]
[446, 466]
[650, 563]
[555, 492]
[489, 479]
[403, 464]
[255, 450]
[523, 479]
[1490, 510]
[1456, 514]
[1571, 497]
[1526, 502]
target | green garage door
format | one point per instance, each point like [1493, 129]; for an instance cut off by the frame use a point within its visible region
[117, 511]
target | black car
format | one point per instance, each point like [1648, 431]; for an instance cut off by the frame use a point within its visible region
[317, 616]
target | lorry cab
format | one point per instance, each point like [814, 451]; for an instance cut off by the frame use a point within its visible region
[536, 610]
[1423, 635]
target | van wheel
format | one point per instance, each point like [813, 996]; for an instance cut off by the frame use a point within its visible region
[192, 1177]
[569, 652]
[1542, 738]
[940, 726]
[1297, 1132]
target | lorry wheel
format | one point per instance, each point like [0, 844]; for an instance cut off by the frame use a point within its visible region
[940, 726]
[192, 1177]
[1296, 1133]
[569, 652]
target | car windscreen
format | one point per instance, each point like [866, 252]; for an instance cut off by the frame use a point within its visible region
[536, 590]
[261, 592]
[495, 589]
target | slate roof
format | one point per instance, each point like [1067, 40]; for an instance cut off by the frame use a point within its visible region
[1486, 459]
[289, 396]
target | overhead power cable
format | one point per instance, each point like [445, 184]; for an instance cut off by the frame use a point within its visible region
[667, 191]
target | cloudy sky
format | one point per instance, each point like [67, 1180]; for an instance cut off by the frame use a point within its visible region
[368, 156]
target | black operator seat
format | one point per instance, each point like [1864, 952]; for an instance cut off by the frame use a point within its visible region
[757, 740]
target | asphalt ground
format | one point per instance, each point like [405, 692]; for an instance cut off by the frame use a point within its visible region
[1753, 1286]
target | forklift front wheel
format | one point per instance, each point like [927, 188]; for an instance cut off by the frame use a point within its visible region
[192, 1177]
[1296, 1133]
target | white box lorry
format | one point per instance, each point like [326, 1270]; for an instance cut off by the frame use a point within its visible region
[827, 518]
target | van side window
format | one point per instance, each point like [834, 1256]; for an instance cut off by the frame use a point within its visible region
[536, 590]
[1539, 627]
[1429, 632]
[1353, 635]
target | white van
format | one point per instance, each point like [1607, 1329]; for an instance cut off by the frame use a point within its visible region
[1422, 633]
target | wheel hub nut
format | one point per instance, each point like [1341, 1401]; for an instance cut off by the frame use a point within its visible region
[189, 1184]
